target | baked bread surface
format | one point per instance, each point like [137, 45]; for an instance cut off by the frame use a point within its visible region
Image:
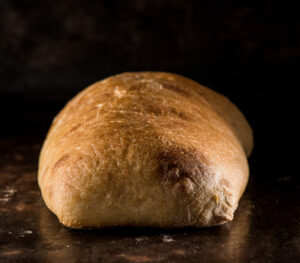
[145, 149]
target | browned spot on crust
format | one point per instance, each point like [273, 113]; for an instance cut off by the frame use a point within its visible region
[60, 162]
[75, 127]
[181, 114]
[181, 166]
[153, 109]
[135, 87]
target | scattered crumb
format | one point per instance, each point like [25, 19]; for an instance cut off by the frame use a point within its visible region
[7, 193]
[25, 232]
[167, 239]
[139, 239]
[216, 198]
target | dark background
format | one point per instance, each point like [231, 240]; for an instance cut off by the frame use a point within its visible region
[247, 50]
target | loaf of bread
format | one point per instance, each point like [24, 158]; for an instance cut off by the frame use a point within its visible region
[145, 149]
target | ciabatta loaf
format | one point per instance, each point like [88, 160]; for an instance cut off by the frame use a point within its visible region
[145, 149]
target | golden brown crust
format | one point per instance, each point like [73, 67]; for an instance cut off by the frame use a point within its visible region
[145, 149]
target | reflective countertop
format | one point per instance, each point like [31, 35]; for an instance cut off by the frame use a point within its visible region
[266, 227]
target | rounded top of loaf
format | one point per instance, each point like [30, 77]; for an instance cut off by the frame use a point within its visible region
[147, 148]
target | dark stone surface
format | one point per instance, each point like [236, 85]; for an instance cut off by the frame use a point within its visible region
[266, 227]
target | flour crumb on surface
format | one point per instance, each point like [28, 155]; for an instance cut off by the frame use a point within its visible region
[167, 239]
[25, 232]
[99, 106]
[7, 193]
[139, 239]
[119, 93]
